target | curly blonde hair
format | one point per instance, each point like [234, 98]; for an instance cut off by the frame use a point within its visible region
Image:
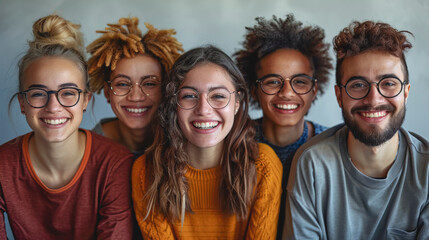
[126, 40]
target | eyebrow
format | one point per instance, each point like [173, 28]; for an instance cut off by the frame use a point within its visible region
[379, 77]
[61, 86]
[210, 88]
[389, 75]
[121, 76]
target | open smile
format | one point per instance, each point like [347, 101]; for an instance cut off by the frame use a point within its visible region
[205, 125]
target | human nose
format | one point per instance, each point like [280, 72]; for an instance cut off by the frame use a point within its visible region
[136, 93]
[53, 105]
[203, 106]
[286, 89]
[373, 94]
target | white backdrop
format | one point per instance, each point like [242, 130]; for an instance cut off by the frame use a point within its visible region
[221, 23]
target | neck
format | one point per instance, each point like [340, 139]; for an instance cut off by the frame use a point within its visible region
[55, 163]
[282, 135]
[204, 158]
[373, 161]
[134, 139]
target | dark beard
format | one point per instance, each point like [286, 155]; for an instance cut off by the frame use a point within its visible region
[376, 136]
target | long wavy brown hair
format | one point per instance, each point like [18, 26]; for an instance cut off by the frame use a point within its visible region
[363, 36]
[168, 161]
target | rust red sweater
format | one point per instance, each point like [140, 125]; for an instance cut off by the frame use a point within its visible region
[95, 204]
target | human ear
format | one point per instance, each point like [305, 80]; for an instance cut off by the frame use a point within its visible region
[106, 91]
[21, 103]
[338, 95]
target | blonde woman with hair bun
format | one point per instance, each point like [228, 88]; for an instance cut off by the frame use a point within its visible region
[60, 181]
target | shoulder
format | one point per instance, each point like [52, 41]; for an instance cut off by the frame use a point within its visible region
[139, 165]
[416, 143]
[317, 127]
[101, 144]
[106, 152]
[98, 128]
[268, 163]
[12, 149]
[327, 138]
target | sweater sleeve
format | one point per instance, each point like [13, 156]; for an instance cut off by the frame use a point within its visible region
[301, 218]
[265, 210]
[115, 211]
[155, 226]
[2, 221]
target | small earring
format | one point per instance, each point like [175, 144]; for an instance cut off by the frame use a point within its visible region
[22, 111]
[108, 100]
[84, 110]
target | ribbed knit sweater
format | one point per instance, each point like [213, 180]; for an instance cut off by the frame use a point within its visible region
[209, 220]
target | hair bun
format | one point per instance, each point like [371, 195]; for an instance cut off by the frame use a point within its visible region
[55, 30]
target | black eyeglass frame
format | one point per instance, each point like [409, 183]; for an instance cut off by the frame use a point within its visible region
[313, 82]
[48, 93]
[369, 87]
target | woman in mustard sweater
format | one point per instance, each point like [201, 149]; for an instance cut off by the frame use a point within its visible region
[205, 176]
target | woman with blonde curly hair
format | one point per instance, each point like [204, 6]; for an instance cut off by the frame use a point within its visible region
[130, 67]
[205, 177]
[59, 181]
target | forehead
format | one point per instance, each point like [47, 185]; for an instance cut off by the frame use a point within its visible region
[206, 76]
[140, 64]
[284, 62]
[372, 65]
[52, 72]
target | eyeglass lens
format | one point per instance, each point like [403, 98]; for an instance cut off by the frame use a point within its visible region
[301, 84]
[67, 97]
[387, 87]
[122, 86]
[188, 98]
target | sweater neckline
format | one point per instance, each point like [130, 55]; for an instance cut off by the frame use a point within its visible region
[203, 174]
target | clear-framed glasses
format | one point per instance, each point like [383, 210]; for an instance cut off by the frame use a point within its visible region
[301, 84]
[39, 98]
[388, 87]
[150, 85]
[188, 98]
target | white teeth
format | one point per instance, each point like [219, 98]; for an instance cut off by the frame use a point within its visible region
[287, 106]
[374, 114]
[55, 121]
[136, 110]
[205, 125]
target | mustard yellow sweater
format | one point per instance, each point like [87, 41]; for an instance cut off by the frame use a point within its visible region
[209, 221]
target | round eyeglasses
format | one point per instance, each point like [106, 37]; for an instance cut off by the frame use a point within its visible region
[188, 98]
[150, 85]
[301, 84]
[359, 88]
[39, 98]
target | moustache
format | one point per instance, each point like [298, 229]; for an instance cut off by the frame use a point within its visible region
[367, 108]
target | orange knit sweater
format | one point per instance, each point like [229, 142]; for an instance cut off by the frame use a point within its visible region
[209, 221]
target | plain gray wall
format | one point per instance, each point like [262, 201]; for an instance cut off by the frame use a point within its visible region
[221, 23]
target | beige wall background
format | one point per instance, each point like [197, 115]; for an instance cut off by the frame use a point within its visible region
[221, 23]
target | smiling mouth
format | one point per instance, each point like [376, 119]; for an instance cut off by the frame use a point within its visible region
[205, 125]
[374, 114]
[136, 110]
[286, 106]
[55, 121]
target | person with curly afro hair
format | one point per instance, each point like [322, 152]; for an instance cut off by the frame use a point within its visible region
[286, 65]
[129, 67]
